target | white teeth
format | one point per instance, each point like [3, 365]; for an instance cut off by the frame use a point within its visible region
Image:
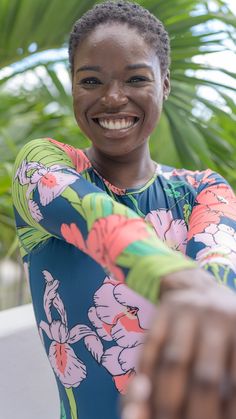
[120, 123]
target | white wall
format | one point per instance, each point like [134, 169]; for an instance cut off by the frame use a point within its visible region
[27, 386]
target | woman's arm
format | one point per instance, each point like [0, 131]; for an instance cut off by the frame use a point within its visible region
[187, 366]
[52, 199]
[212, 229]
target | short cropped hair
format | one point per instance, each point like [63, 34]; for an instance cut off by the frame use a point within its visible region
[132, 14]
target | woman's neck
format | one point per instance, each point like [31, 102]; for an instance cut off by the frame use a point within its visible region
[128, 171]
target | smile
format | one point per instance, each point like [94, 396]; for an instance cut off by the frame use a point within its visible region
[116, 123]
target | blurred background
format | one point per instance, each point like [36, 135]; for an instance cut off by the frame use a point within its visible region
[197, 128]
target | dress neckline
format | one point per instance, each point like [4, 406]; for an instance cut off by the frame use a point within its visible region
[124, 191]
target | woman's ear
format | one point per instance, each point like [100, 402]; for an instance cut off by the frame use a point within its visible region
[166, 85]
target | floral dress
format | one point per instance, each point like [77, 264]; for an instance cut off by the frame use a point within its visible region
[94, 255]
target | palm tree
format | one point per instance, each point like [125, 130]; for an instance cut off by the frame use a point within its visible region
[184, 137]
[195, 131]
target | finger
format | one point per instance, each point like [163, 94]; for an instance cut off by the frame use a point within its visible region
[136, 411]
[138, 400]
[173, 369]
[135, 402]
[205, 399]
[230, 385]
[154, 341]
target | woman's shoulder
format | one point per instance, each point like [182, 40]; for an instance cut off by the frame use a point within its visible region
[50, 150]
[197, 179]
[77, 156]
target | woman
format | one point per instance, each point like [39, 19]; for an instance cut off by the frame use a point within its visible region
[80, 214]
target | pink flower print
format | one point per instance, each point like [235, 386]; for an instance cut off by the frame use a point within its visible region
[212, 203]
[121, 315]
[122, 381]
[81, 163]
[125, 329]
[170, 230]
[51, 297]
[120, 363]
[204, 179]
[22, 170]
[34, 210]
[67, 366]
[171, 173]
[220, 241]
[78, 157]
[107, 239]
[51, 183]
[144, 310]
[189, 175]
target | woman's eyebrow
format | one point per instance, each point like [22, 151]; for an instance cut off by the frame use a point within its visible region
[128, 67]
[88, 68]
[138, 66]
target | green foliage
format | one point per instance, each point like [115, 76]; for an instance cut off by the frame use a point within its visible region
[194, 131]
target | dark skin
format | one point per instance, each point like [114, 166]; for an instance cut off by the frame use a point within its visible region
[118, 93]
[189, 357]
[114, 88]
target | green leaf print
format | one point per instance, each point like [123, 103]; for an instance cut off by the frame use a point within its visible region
[173, 185]
[147, 267]
[21, 204]
[128, 258]
[40, 150]
[97, 205]
[187, 212]
[226, 274]
[172, 193]
[215, 269]
[71, 398]
[220, 271]
[135, 203]
[86, 176]
[176, 183]
[144, 276]
[147, 247]
[72, 197]
[63, 412]
[30, 237]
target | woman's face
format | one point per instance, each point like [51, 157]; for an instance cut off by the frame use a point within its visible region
[117, 89]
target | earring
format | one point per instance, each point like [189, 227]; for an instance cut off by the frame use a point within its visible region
[165, 96]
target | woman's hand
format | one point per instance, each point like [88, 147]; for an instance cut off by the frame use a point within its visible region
[187, 368]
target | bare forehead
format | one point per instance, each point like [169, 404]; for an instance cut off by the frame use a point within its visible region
[115, 34]
[114, 44]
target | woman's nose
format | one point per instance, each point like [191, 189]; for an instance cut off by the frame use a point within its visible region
[114, 96]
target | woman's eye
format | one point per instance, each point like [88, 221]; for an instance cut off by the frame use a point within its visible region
[90, 82]
[137, 79]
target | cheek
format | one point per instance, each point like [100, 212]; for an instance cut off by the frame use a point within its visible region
[80, 105]
[153, 109]
[79, 98]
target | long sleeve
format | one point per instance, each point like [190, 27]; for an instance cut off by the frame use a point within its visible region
[52, 200]
[212, 228]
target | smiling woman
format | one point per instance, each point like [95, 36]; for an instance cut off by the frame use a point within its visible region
[98, 228]
[118, 97]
